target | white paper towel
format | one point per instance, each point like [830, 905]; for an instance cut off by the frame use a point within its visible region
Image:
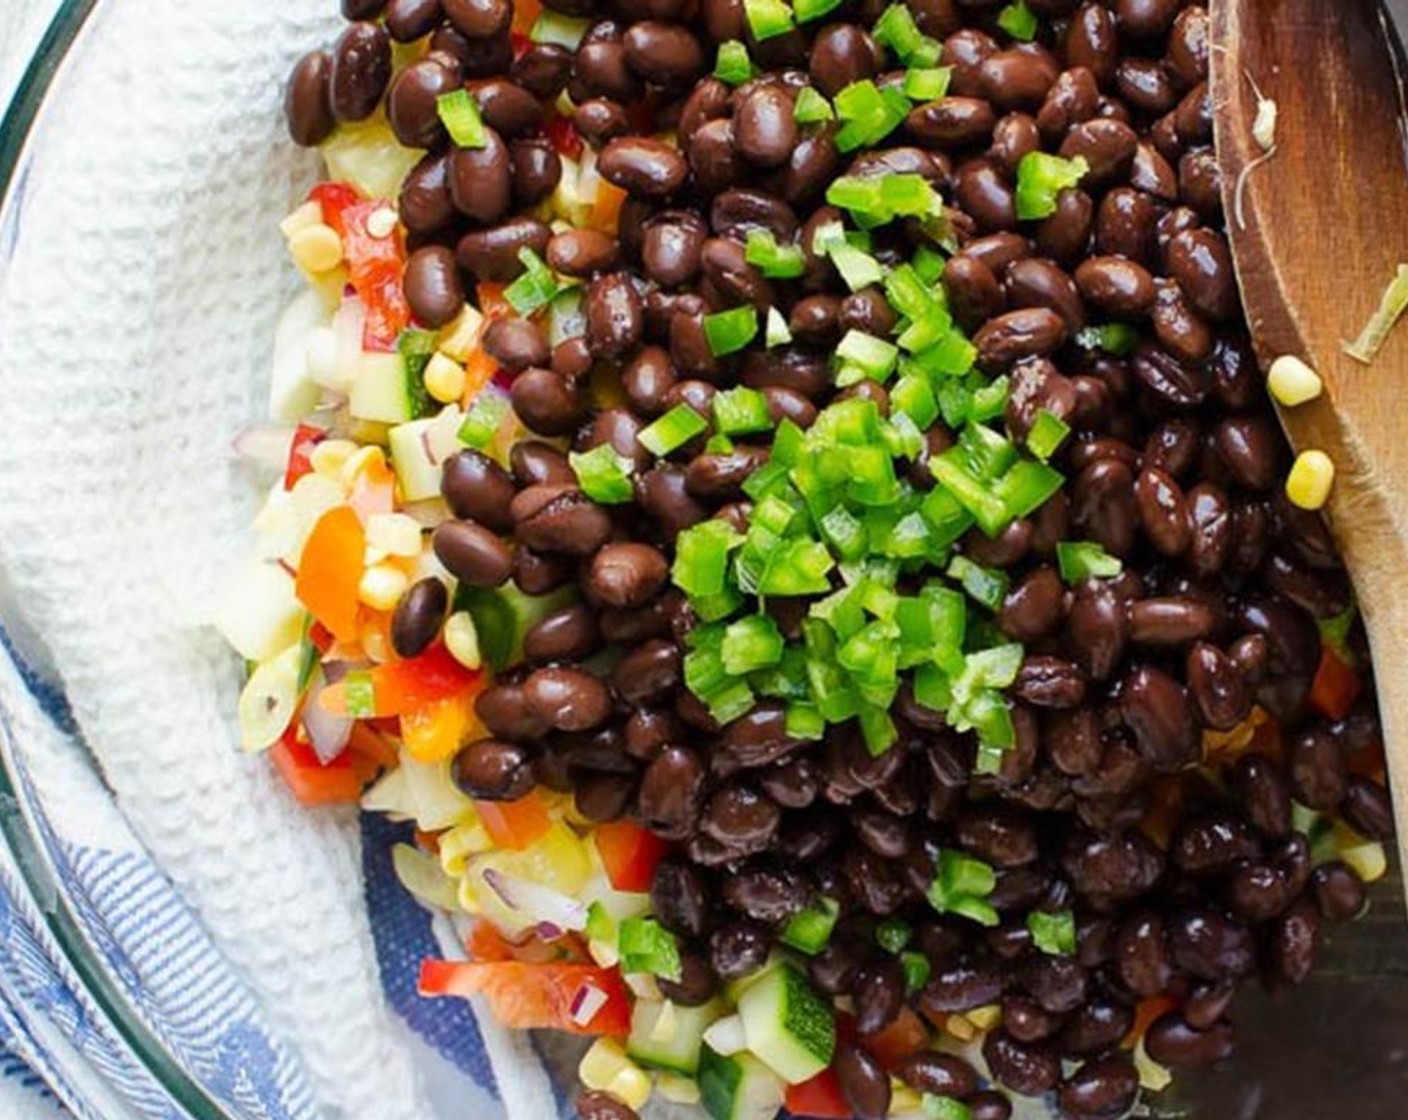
[138, 314]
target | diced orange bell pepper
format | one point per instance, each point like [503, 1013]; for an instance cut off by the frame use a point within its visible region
[330, 571]
[492, 304]
[630, 855]
[374, 486]
[479, 370]
[1148, 1011]
[906, 1035]
[514, 824]
[1336, 686]
[525, 14]
[535, 996]
[436, 731]
[606, 210]
[486, 944]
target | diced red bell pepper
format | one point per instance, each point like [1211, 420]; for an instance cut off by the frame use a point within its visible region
[1146, 1014]
[630, 855]
[310, 781]
[401, 687]
[563, 134]
[1336, 686]
[534, 996]
[821, 1097]
[300, 453]
[514, 825]
[375, 265]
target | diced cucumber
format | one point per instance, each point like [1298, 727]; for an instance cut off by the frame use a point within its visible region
[367, 154]
[669, 1036]
[788, 1025]
[419, 450]
[739, 1088]
[734, 989]
[502, 616]
[382, 390]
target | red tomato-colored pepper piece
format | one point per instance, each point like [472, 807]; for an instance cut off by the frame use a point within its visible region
[300, 453]
[563, 134]
[820, 1098]
[1336, 686]
[534, 996]
[335, 199]
[375, 265]
[515, 824]
[311, 782]
[899, 1040]
[330, 571]
[630, 855]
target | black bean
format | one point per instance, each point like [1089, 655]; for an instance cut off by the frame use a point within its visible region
[1172, 1042]
[1317, 769]
[418, 616]
[307, 100]
[481, 181]
[1339, 891]
[603, 1106]
[989, 1105]
[494, 771]
[650, 168]
[567, 634]
[360, 71]
[535, 168]
[479, 19]
[547, 403]
[1027, 333]
[1155, 708]
[1104, 1088]
[614, 314]
[959, 989]
[411, 105]
[432, 285]
[942, 1075]
[1367, 809]
[1027, 1069]
[663, 53]
[671, 795]
[739, 948]
[1209, 946]
[473, 554]
[492, 254]
[864, 1083]
[878, 990]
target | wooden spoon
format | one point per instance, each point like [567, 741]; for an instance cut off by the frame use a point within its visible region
[1324, 227]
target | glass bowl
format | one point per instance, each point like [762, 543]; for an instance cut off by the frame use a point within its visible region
[1340, 1043]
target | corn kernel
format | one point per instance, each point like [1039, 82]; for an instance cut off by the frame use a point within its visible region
[316, 248]
[1152, 1076]
[462, 640]
[394, 534]
[960, 1028]
[382, 587]
[469, 902]
[1365, 856]
[459, 339]
[632, 1087]
[457, 844]
[382, 223]
[985, 1017]
[677, 1089]
[309, 214]
[1292, 382]
[602, 1063]
[329, 457]
[903, 1099]
[1311, 477]
[444, 378]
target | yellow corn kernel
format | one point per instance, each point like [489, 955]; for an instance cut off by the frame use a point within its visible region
[679, 1090]
[903, 1099]
[459, 339]
[462, 640]
[444, 378]
[1152, 1076]
[394, 534]
[1312, 475]
[382, 223]
[1292, 382]
[329, 457]
[632, 1087]
[309, 214]
[604, 1060]
[370, 431]
[1365, 856]
[316, 249]
[985, 1017]
[960, 1028]
[382, 587]
[468, 902]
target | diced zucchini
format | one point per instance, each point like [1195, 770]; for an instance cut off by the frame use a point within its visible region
[668, 1036]
[258, 613]
[368, 155]
[788, 1025]
[739, 1088]
[385, 390]
[502, 617]
[734, 989]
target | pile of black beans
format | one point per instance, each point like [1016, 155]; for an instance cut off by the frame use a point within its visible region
[1186, 879]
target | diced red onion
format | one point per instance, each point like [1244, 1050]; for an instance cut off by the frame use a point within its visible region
[328, 734]
[586, 1004]
[542, 904]
[265, 445]
[502, 381]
